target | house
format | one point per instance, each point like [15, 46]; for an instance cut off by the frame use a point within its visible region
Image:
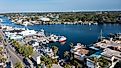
[79, 51]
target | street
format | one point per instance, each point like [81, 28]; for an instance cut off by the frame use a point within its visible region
[12, 56]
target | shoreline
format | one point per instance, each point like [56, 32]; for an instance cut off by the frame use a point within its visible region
[71, 24]
[65, 23]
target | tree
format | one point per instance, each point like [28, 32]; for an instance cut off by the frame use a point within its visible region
[67, 66]
[72, 45]
[28, 51]
[47, 61]
[55, 50]
[21, 49]
[104, 63]
[72, 54]
[17, 44]
[4, 60]
[1, 48]
[1, 38]
[66, 55]
[55, 61]
[18, 65]
[101, 62]
[77, 65]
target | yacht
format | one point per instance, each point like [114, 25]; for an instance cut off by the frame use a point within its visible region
[62, 39]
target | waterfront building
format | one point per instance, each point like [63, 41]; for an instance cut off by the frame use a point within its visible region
[44, 19]
[28, 32]
[79, 51]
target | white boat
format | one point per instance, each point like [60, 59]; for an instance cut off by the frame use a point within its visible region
[53, 38]
[1, 20]
[62, 39]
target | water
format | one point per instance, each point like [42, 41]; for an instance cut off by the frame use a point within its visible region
[85, 34]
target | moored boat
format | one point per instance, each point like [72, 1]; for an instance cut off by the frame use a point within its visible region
[62, 39]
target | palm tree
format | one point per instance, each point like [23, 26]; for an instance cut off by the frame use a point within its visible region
[21, 49]
[77, 65]
[47, 61]
[72, 45]
[18, 65]
[1, 48]
[55, 50]
[103, 62]
[72, 54]
[4, 60]
[55, 61]
[17, 44]
[1, 38]
[67, 66]
[95, 61]
[66, 55]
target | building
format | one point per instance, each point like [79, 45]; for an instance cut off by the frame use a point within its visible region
[28, 32]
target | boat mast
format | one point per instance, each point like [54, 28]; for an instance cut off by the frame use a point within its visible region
[101, 35]
[26, 26]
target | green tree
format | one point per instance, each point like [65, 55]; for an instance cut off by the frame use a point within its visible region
[55, 50]
[1, 38]
[1, 48]
[4, 60]
[77, 64]
[28, 50]
[66, 55]
[55, 61]
[72, 45]
[72, 54]
[67, 66]
[104, 63]
[18, 65]
[47, 61]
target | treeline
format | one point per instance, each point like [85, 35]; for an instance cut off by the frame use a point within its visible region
[96, 16]
[99, 17]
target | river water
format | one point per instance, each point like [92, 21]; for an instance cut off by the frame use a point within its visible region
[85, 34]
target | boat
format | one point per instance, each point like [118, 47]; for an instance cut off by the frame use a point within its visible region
[1, 20]
[62, 39]
[53, 38]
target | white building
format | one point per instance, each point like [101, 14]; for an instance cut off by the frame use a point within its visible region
[45, 19]
[38, 60]
[16, 37]
[28, 32]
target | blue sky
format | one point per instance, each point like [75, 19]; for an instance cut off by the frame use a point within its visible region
[58, 5]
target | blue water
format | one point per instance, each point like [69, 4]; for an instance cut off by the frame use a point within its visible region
[85, 34]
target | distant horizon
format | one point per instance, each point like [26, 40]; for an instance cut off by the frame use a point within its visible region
[61, 11]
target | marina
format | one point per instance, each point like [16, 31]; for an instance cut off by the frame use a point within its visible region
[42, 41]
[73, 33]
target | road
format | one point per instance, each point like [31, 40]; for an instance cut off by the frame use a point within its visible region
[12, 56]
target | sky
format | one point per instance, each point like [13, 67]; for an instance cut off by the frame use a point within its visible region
[59, 5]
